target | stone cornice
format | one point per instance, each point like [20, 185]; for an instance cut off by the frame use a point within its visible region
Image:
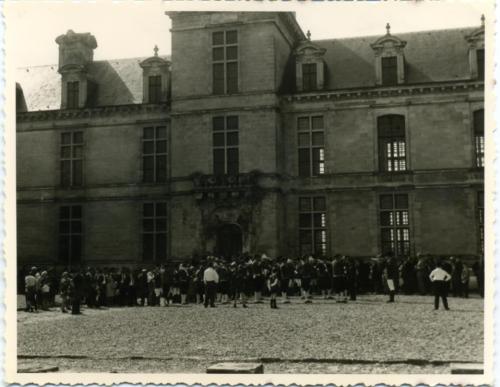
[381, 92]
[103, 111]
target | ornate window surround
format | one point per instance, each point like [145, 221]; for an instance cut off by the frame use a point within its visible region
[154, 66]
[476, 42]
[388, 46]
[308, 52]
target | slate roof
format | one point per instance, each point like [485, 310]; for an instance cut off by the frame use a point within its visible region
[430, 56]
[119, 82]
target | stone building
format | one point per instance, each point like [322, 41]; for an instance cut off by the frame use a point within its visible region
[251, 137]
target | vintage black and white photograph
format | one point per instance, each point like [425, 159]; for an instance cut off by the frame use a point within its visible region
[298, 190]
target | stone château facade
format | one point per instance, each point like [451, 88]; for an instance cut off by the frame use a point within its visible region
[253, 138]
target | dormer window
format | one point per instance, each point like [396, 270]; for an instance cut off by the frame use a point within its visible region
[309, 66]
[476, 52]
[154, 88]
[72, 94]
[390, 71]
[389, 59]
[155, 79]
[309, 76]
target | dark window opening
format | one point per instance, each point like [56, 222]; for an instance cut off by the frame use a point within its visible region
[70, 234]
[311, 146]
[395, 225]
[154, 89]
[154, 232]
[71, 159]
[480, 220]
[390, 71]
[225, 143]
[72, 94]
[480, 64]
[312, 225]
[479, 137]
[309, 76]
[154, 154]
[392, 143]
[225, 62]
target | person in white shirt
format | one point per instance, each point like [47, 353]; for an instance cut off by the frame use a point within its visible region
[439, 279]
[210, 279]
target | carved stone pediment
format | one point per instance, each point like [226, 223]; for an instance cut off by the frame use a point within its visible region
[388, 45]
[308, 50]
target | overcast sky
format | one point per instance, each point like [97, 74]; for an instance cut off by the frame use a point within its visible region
[131, 29]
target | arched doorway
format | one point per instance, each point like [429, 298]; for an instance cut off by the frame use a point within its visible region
[229, 240]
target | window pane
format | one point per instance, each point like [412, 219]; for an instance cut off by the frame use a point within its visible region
[305, 236]
[65, 173]
[317, 122]
[76, 248]
[76, 227]
[218, 123]
[305, 204]
[232, 161]
[219, 162]
[161, 146]
[161, 246]
[148, 147]
[304, 139]
[479, 122]
[149, 133]
[64, 227]
[66, 138]
[148, 225]
[148, 169]
[389, 71]
[386, 202]
[148, 209]
[77, 151]
[232, 122]
[65, 152]
[232, 53]
[77, 172]
[64, 248]
[402, 201]
[232, 138]
[231, 37]
[232, 77]
[480, 63]
[78, 138]
[303, 123]
[320, 220]
[161, 168]
[218, 139]
[161, 132]
[305, 221]
[304, 163]
[217, 38]
[319, 204]
[64, 212]
[318, 138]
[161, 209]
[76, 212]
[147, 247]
[161, 224]
[386, 218]
[218, 78]
[218, 53]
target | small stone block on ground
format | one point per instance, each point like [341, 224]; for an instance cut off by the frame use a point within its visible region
[236, 368]
[467, 368]
[36, 370]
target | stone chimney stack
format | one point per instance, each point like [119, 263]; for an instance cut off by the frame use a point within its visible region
[76, 53]
[75, 49]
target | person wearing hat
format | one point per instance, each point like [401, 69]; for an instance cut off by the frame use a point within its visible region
[273, 286]
[286, 273]
[308, 274]
[440, 278]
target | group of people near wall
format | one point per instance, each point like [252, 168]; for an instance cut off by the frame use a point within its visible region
[213, 280]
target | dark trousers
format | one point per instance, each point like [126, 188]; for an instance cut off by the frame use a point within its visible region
[440, 290]
[210, 292]
[75, 305]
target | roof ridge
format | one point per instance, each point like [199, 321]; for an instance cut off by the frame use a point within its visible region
[398, 34]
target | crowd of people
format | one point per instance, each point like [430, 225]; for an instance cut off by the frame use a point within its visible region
[212, 280]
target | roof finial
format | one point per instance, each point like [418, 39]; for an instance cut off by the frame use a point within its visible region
[308, 35]
[156, 50]
[388, 28]
[482, 20]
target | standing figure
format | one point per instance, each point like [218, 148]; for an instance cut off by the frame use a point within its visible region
[30, 290]
[76, 297]
[183, 278]
[440, 278]
[273, 286]
[210, 279]
[64, 288]
[287, 272]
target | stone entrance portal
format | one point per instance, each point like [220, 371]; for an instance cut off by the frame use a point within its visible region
[229, 240]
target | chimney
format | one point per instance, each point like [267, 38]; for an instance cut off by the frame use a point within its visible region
[76, 53]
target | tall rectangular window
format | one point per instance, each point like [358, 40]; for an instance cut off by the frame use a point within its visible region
[70, 234]
[480, 64]
[309, 77]
[154, 154]
[312, 225]
[479, 137]
[154, 89]
[392, 143]
[311, 143]
[225, 62]
[480, 220]
[395, 224]
[390, 71]
[72, 94]
[72, 159]
[225, 139]
[154, 232]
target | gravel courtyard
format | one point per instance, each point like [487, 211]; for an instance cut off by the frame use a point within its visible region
[365, 336]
